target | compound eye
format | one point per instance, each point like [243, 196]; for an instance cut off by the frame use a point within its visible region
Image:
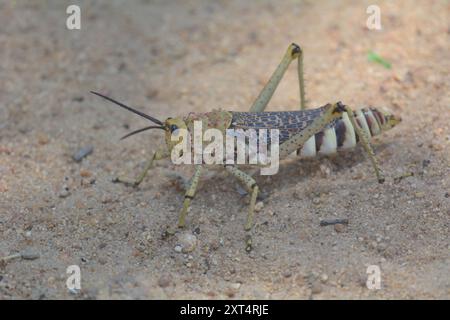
[173, 128]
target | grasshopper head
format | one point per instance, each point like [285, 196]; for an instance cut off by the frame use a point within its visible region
[172, 127]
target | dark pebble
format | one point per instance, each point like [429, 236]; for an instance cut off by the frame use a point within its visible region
[78, 99]
[29, 255]
[82, 153]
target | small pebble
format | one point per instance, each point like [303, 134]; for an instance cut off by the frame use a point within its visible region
[64, 193]
[78, 99]
[187, 242]
[29, 255]
[382, 247]
[325, 170]
[235, 286]
[3, 187]
[42, 138]
[259, 206]
[316, 288]
[297, 195]
[85, 173]
[230, 293]
[178, 248]
[74, 291]
[419, 194]
[164, 281]
[339, 228]
[82, 153]
[106, 198]
[324, 278]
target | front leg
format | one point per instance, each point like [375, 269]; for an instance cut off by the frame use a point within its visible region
[158, 155]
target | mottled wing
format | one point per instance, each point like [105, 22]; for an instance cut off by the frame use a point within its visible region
[288, 123]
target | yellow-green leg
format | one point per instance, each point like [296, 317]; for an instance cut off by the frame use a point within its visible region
[189, 195]
[158, 155]
[330, 112]
[366, 144]
[293, 52]
[253, 189]
[296, 142]
[301, 81]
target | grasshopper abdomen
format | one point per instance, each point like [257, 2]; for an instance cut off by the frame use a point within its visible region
[341, 135]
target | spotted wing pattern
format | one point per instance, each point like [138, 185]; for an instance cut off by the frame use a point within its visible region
[288, 123]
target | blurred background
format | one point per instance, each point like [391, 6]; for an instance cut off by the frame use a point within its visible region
[168, 58]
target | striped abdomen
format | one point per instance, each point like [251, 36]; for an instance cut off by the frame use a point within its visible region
[341, 134]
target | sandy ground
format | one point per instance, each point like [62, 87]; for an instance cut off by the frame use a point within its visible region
[169, 58]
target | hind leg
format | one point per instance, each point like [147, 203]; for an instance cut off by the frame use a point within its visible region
[293, 52]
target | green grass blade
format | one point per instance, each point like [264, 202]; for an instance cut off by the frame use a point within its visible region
[373, 57]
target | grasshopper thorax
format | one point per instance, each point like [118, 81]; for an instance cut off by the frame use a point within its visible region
[216, 119]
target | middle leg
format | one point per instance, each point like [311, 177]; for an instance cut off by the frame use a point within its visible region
[251, 186]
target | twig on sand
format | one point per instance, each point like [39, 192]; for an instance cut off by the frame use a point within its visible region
[402, 176]
[328, 222]
[26, 255]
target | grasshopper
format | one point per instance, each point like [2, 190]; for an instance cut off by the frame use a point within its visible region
[307, 132]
